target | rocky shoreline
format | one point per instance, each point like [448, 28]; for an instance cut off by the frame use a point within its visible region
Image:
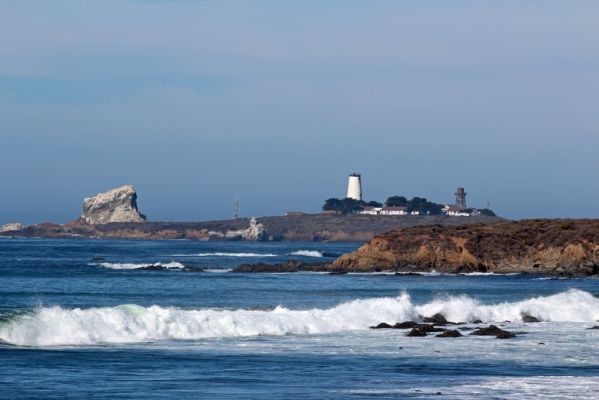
[542, 247]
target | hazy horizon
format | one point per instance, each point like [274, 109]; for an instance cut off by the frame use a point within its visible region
[192, 102]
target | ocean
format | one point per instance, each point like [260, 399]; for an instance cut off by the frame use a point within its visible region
[83, 318]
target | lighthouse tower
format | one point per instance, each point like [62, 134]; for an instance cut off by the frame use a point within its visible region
[354, 187]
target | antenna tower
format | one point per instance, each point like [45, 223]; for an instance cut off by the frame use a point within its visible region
[236, 207]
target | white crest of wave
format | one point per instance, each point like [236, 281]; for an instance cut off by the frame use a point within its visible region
[307, 253]
[220, 254]
[51, 326]
[169, 265]
[571, 306]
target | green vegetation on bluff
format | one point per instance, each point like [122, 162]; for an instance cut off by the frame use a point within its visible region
[416, 204]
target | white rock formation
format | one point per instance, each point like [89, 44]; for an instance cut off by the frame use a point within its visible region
[255, 232]
[12, 227]
[116, 205]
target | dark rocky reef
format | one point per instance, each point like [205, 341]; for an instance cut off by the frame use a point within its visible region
[289, 266]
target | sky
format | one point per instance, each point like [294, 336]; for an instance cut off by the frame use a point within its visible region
[278, 101]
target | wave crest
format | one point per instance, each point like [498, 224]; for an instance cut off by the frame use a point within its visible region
[307, 253]
[52, 326]
[169, 265]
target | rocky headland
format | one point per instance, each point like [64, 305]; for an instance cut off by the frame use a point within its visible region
[540, 246]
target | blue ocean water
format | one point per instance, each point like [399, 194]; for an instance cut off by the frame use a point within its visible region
[84, 319]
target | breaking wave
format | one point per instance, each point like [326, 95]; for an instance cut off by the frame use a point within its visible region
[170, 265]
[308, 253]
[217, 254]
[54, 326]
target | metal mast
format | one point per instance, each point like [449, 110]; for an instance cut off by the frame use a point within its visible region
[236, 206]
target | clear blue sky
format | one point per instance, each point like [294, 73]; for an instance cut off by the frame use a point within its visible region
[192, 101]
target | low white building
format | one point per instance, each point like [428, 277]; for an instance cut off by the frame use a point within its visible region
[393, 210]
[459, 211]
[367, 210]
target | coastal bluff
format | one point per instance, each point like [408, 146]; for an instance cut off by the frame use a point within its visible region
[306, 227]
[540, 246]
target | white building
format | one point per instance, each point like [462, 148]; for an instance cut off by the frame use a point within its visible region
[394, 211]
[459, 211]
[383, 211]
[354, 187]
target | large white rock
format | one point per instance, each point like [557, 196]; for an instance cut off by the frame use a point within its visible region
[116, 205]
[12, 227]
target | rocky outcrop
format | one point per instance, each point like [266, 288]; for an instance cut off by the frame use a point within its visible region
[557, 247]
[255, 232]
[116, 205]
[12, 227]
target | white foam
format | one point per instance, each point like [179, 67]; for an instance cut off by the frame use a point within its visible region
[307, 253]
[218, 254]
[170, 265]
[50, 326]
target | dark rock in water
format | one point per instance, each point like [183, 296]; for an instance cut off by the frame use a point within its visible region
[594, 327]
[408, 274]
[425, 328]
[154, 267]
[437, 319]
[541, 343]
[382, 325]
[477, 321]
[529, 318]
[338, 273]
[492, 330]
[417, 332]
[466, 328]
[451, 333]
[505, 335]
[405, 325]
[288, 266]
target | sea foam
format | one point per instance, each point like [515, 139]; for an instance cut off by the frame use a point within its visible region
[220, 254]
[169, 265]
[53, 326]
[307, 253]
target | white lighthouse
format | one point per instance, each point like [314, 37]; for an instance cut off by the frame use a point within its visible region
[354, 187]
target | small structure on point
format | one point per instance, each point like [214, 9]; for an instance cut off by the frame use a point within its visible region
[460, 197]
[354, 187]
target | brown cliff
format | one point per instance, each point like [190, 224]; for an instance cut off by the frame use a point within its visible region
[557, 247]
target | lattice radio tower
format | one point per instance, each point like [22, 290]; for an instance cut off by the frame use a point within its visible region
[236, 207]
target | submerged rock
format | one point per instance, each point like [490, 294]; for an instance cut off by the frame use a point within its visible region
[438, 319]
[529, 318]
[417, 332]
[492, 330]
[451, 333]
[406, 325]
[116, 205]
[382, 325]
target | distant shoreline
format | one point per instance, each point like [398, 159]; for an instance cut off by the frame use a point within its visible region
[306, 227]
